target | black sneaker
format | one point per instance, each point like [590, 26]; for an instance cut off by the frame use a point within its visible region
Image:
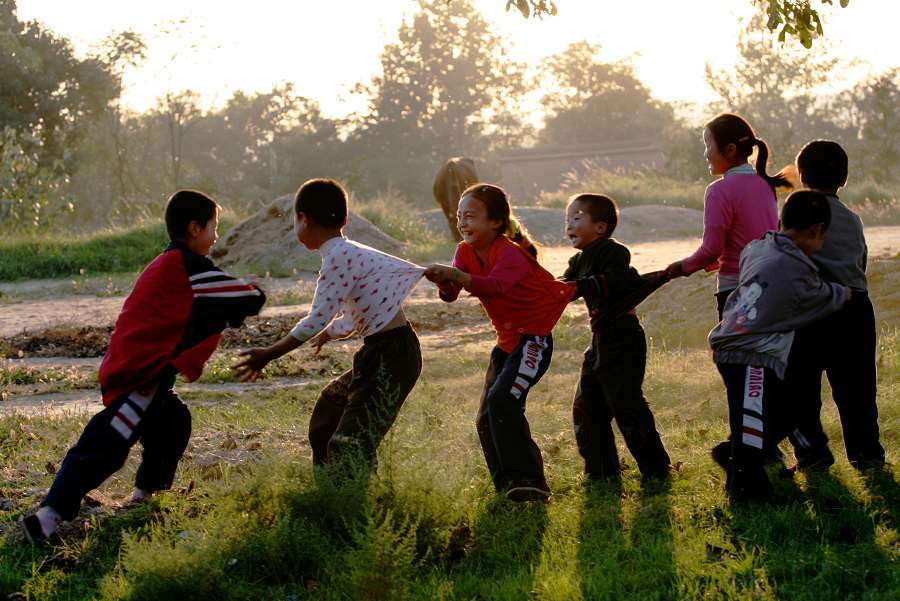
[817, 460]
[745, 487]
[774, 463]
[864, 465]
[521, 491]
[31, 528]
[721, 454]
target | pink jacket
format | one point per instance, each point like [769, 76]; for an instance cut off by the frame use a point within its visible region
[738, 208]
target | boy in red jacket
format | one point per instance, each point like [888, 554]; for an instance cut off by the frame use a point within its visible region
[170, 323]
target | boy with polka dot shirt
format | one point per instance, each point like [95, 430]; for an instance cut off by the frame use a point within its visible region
[359, 290]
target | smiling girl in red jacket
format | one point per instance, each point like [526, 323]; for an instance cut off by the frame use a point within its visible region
[523, 301]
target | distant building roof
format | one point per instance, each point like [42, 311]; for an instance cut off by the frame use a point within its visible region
[527, 172]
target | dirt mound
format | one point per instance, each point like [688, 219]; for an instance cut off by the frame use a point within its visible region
[266, 241]
[636, 224]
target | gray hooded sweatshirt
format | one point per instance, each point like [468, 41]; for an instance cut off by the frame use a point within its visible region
[779, 291]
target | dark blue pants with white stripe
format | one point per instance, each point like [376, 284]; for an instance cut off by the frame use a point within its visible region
[760, 415]
[160, 421]
[510, 452]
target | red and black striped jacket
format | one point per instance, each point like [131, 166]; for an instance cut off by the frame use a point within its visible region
[173, 320]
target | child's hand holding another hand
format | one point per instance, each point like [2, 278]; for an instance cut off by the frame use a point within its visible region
[439, 274]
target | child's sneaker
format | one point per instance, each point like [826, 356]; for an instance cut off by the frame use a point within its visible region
[745, 487]
[721, 454]
[528, 490]
[138, 495]
[31, 528]
[817, 460]
[865, 465]
[40, 525]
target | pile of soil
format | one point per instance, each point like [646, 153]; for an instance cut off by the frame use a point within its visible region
[266, 241]
[648, 223]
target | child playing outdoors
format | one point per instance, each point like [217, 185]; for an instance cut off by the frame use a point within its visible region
[170, 323]
[613, 370]
[355, 411]
[523, 302]
[779, 290]
[850, 365]
[739, 207]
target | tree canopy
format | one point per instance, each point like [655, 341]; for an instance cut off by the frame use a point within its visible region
[791, 18]
[47, 90]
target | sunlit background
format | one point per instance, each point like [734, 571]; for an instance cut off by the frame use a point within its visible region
[325, 47]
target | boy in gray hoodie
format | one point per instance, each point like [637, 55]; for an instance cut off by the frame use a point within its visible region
[779, 290]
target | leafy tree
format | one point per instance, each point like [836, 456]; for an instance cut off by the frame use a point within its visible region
[874, 137]
[778, 90]
[31, 193]
[795, 18]
[46, 89]
[443, 84]
[596, 101]
[262, 145]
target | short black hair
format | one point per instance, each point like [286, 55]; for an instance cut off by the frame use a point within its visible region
[805, 208]
[600, 208]
[323, 200]
[185, 206]
[823, 164]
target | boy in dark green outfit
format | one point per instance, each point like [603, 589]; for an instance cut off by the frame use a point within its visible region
[613, 370]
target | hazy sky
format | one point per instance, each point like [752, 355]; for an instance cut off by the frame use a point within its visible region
[326, 46]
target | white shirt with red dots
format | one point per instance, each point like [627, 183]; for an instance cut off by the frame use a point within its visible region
[361, 284]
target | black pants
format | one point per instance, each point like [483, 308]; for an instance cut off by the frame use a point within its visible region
[843, 346]
[161, 422]
[510, 452]
[759, 416]
[355, 411]
[721, 297]
[610, 387]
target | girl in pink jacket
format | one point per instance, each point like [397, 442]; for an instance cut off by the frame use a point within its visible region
[739, 207]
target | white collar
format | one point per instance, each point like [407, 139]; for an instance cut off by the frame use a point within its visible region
[330, 244]
[744, 169]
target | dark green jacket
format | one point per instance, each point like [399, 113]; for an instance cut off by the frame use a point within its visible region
[608, 283]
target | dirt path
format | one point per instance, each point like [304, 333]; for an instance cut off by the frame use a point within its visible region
[89, 401]
[39, 314]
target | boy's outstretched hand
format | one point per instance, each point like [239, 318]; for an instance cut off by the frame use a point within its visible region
[251, 367]
[256, 359]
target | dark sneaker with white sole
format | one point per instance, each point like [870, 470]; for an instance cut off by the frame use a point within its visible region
[31, 528]
[817, 460]
[521, 491]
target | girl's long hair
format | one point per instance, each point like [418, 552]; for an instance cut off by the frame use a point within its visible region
[496, 201]
[729, 128]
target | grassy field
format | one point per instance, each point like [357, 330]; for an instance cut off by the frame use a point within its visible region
[248, 518]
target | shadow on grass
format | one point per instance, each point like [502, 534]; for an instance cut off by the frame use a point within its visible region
[72, 565]
[821, 545]
[885, 492]
[622, 558]
[507, 539]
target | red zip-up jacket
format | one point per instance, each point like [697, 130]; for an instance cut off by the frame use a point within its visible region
[173, 320]
[517, 293]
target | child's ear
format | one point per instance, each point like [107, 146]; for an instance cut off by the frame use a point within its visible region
[194, 229]
[601, 227]
[818, 230]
